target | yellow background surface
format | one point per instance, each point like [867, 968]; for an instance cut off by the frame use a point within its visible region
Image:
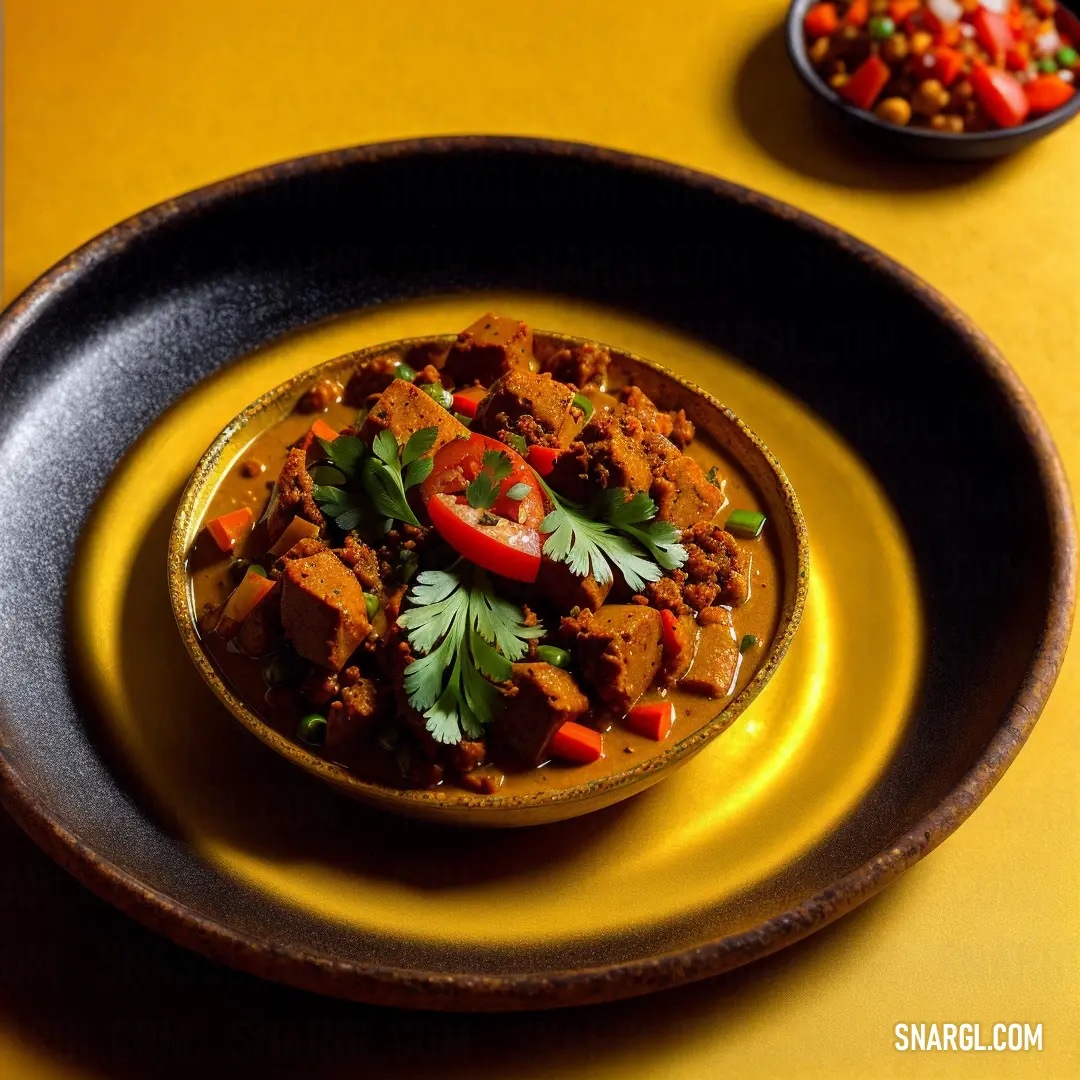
[114, 105]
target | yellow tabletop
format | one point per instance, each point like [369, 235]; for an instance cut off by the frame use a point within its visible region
[114, 105]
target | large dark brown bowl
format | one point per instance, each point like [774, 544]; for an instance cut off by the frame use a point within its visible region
[105, 341]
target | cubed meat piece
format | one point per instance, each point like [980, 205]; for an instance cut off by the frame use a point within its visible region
[491, 347]
[323, 609]
[261, 632]
[717, 569]
[405, 410]
[292, 495]
[678, 662]
[521, 393]
[372, 376]
[673, 425]
[680, 489]
[619, 651]
[546, 697]
[560, 589]
[582, 365]
[716, 661]
[607, 453]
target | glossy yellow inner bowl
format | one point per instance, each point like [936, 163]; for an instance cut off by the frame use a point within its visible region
[713, 846]
[451, 805]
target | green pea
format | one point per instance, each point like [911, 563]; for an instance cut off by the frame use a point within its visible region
[1067, 56]
[403, 371]
[881, 27]
[747, 643]
[439, 394]
[280, 668]
[553, 655]
[372, 602]
[312, 730]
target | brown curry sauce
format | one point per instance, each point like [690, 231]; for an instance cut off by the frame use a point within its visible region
[249, 484]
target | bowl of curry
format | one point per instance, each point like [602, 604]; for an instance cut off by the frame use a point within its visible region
[496, 578]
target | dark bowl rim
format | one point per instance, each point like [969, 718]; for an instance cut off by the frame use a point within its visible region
[796, 49]
[470, 992]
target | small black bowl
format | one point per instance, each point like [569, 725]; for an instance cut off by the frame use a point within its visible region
[935, 144]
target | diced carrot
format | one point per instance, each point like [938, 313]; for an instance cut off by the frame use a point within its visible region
[948, 63]
[243, 601]
[298, 529]
[821, 20]
[899, 10]
[1016, 58]
[575, 742]
[1048, 92]
[858, 13]
[867, 82]
[230, 528]
[654, 721]
[542, 458]
[948, 35]
[322, 430]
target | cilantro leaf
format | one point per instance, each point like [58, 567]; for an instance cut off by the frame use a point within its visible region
[467, 636]
[518, 443]
[711, 477]
[484, 490]
[345, 452]
[381, 474]
[594, 542]
[344, 508]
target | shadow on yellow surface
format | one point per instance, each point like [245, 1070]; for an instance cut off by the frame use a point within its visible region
[81, 982]
[801, 132]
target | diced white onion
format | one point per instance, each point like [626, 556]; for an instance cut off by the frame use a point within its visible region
[948, 11]
[1066, 75]
[967, 30]
[1047, 44]
[999, 7]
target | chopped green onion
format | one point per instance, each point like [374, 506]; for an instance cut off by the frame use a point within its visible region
[312, 730]
[372, 602]
[746, 524]
[553, 655]
[403, 371]
[327, 475]
[586, 406]
[439, 394]
[747, 643]
[1067, 56]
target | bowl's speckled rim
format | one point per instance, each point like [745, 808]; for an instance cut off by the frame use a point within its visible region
[437, 990]
[800, 61]
[483, 808]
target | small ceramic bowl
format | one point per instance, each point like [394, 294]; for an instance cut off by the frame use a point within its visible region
[452, 805]
[919, 141]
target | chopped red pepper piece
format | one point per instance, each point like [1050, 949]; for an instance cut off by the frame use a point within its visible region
[542, 458]
[466, 401]
[575, 742]
[821, 20]
[948, 63]
[899, 10]
[994, 32]
[866, 83]
[1048, 92]
[1001, 95]
[653, 721]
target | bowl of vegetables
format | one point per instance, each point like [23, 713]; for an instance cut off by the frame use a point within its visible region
[500, 579]
[959, 79]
